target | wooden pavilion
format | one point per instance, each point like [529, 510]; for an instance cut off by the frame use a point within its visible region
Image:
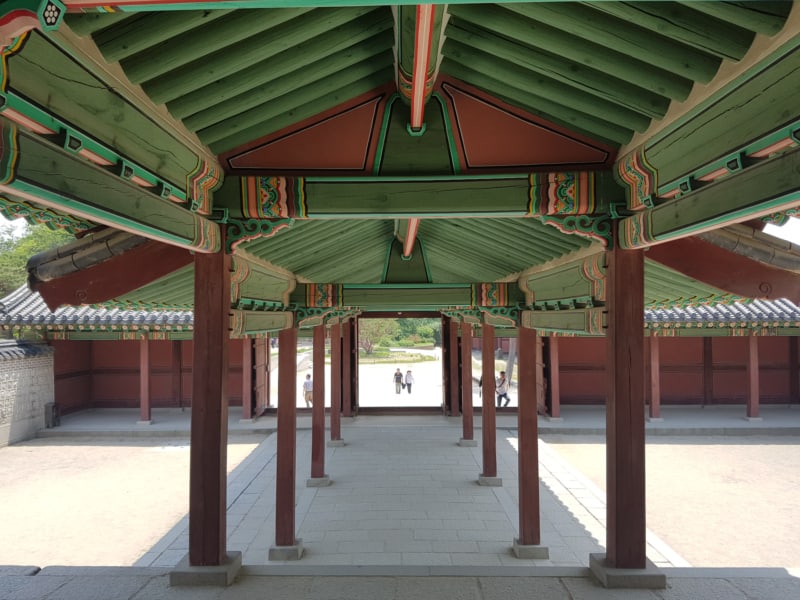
[537, 166]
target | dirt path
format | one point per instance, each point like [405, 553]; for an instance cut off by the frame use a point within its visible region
[717, 501]
[90, 502]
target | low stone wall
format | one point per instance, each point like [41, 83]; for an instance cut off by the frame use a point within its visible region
[26, 387]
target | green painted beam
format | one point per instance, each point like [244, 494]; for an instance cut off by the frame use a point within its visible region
[136, 35]
[307, 102]
[578, 281]
[50, 176]
[86, 24]
[770, 186]
[590, 321]
[255, 279]
[523, 79]
[541, 106]
[46, 75]
[571, 73]
[357, 64]
[761, 101]
[360, 38]
[761, 16]
[589, 25]
[508, 24]
[406, 297]
[249, 322]
[681, 23]
[202, 43]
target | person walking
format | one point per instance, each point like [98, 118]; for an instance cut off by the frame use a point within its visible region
[398, 380]
[308, 391]
[409, 380]
[501, 389]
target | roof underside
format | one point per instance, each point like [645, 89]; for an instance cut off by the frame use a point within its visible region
[588, 78]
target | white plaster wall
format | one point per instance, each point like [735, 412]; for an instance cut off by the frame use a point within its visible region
[26, 384]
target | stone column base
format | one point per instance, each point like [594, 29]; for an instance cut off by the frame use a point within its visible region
[655, 419]
[467, 443]
[530, 551]
[753, 419]
[294, 552]
[150, 422]
[217, 575]
[490, 481]
[649, 578]
[335, 443]
[323, 481]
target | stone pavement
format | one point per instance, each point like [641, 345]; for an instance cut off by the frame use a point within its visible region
[404, 518]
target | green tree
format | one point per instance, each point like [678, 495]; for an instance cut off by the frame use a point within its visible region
[371, 331]
[16, 250]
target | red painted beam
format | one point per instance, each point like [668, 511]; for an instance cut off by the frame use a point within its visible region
[423, 39]
[114, 277]
[725, 270]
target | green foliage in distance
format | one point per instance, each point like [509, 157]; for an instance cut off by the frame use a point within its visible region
[16, 250]
[400, 332]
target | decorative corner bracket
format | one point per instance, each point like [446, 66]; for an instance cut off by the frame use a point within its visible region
[239, 231]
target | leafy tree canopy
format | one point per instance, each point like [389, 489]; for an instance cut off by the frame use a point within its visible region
[15, 250]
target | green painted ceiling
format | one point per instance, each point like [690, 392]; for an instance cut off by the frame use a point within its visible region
[602, 69]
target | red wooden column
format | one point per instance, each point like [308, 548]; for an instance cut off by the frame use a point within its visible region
[625, 465]
[655, 378]
[555, 379]
[247, 379]
[177, 374]
[488, 420]
[708, 371]
[209, 437]
[466, 387]
[794, 369]
[347, 369]
[453, 357]
[527, 544]
[318, 477]
[336, 386]
[145, 414]
[752, 378]
[286, 547]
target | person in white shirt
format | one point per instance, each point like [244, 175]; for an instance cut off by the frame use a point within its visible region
[501, 389]
[308, 391]
[409, 380]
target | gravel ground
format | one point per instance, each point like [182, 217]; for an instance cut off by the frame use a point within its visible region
[717, 501]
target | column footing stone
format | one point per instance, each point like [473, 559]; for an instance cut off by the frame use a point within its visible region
[217, 575]
[150, 422]
[294, 552]
[335, 443]
[530, 550]
[490, 481]
[649, 578]
[655, 419]
[467, 443]
[554, 419]
[323, 481]
[751, 419]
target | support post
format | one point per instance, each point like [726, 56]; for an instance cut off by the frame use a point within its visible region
[247, 379]
[453, 358]
[708, 371]
[145, 414]
[209, 435]
[488, 418]
[347, 369]
[467, 438]
[336, 386]
[318, 477]
[625, 538]
[555, 379]
[655, 378]
[752, 378]
[286, 547]
[177, 373]
[527, 545]
[794, 369]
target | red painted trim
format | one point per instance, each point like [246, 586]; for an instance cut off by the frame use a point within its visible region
[116, 276]
[423, 39]
[411, 237]
[725, 270]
